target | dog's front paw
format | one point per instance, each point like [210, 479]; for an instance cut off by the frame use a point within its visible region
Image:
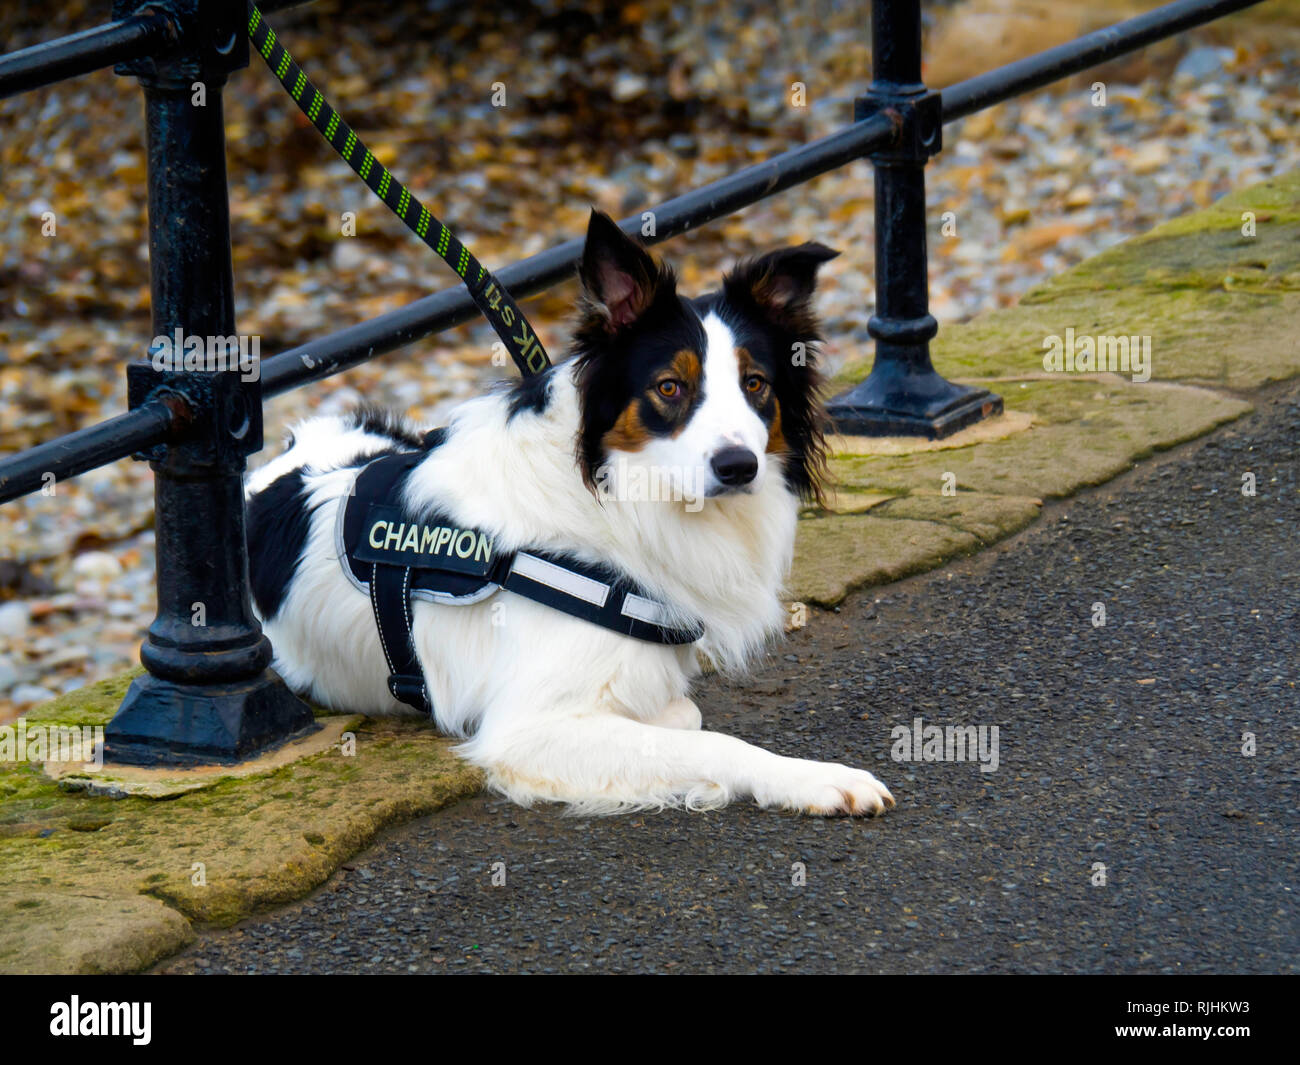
[830, 790]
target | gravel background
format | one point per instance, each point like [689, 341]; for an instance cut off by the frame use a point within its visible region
[1120, 744]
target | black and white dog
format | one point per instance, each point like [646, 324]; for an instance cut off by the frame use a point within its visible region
[673, 446]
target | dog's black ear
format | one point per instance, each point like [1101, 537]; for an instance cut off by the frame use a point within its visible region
[619, 278]
[781, 282]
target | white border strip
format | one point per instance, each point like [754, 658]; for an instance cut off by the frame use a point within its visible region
[643, 609]
[561, 579]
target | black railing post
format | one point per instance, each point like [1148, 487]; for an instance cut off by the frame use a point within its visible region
[903, 396]
[209, 694]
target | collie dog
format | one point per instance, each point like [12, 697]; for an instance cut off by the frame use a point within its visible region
[672, 446]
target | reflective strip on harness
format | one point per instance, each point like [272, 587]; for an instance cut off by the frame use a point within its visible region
[643, 609]
[560, 579]
[395, 557]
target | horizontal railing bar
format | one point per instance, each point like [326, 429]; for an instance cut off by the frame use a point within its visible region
[332, 354]
[149, 425]
[80, 53]
[86, 449]
[98, 445]
[985, 90]
[339, 351]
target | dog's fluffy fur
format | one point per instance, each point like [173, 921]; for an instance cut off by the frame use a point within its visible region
[715, 396]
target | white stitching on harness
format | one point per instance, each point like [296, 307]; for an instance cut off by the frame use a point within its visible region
[374, 606]
[408, 615]
[406, 600]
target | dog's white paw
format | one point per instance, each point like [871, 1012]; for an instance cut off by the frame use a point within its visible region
[829, 790]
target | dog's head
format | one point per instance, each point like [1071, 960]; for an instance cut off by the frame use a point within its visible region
[699, 393]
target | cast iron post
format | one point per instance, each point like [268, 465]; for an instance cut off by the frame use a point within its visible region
[209, 694]
[903, 396]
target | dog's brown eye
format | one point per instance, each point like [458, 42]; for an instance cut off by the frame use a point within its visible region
[670, 389]
[755, 382]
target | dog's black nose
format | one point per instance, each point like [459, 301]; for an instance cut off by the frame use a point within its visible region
[734, 466]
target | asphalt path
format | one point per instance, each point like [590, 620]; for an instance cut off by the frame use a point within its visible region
[1128, 827]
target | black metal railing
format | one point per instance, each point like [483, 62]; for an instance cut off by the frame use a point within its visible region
[208, 693]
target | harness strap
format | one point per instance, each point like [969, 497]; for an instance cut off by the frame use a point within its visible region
[569, 586]
[592, 593]
[390, 599]
[390, 585]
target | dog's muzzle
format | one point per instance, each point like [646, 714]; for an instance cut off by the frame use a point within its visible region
[734, 467]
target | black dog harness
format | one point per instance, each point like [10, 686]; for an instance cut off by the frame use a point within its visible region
[396, 557]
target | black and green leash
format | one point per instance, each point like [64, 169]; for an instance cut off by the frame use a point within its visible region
[502, 313]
